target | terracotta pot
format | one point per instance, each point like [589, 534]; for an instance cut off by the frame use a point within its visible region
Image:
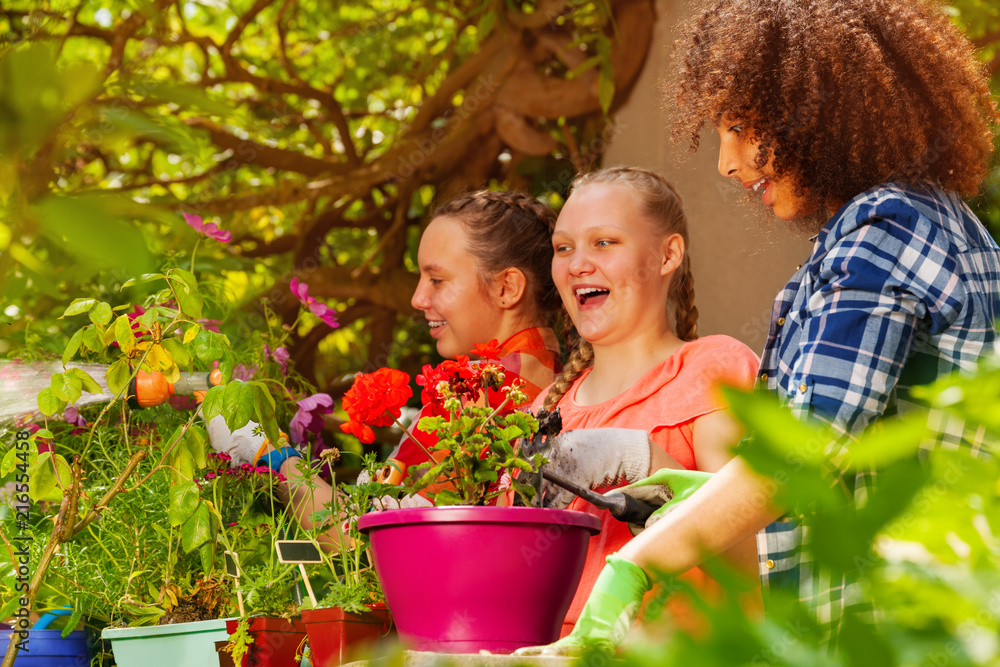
[335, 634]
[447, 573]
[275, 641]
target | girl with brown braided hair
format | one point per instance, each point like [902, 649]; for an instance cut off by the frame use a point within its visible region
[639, 392]
[863, 120]
[484, 263]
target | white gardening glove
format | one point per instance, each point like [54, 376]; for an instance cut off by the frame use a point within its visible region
[591, 458]
[242, 444]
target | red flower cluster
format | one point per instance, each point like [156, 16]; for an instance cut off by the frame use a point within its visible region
[463, 379]
[375, 399]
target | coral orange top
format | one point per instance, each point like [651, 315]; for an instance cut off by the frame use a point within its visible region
[665, 402]
[531, 355]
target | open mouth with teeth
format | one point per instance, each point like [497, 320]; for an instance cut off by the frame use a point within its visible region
[591, 295]
[434, 324]
[763, 187]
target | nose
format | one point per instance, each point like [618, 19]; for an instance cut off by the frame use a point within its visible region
[728, 161]
[420, 300]
[580, 264]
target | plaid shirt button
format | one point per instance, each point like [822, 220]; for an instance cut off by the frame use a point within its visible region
[763, 377]
[781, 321]
[802, 388]
[770, 564]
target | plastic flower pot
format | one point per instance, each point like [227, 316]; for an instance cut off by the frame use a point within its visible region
[335, 634]
[275, 641]
[448, 573]
[188, 644]
[47, 648]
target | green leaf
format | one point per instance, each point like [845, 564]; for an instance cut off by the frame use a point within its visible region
[8, 607]
[238, 404]
[48, 404]
[606, 90]
[197, 529]
[7, 466]
[123, 334]
[79, 306]
[184, 499]
[71, 623]
[186, 290]
[891, 441]
[264, 403]
[144, 278]
[212, 405]
[118, 376]
[799, 441]
[178, 352]
[93, 339]
[208, 346]
[49, 474]
[101, 314]
[181, 460]
[73, 345]
[66, 386]
[86, 382]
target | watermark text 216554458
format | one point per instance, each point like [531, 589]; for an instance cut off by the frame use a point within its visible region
[21, 505]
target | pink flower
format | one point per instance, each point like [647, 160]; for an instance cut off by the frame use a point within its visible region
[309, 417]
[208, 229]
[244, 373]
[210, 475]
[72, 416]
[320, 310]
[281, 356]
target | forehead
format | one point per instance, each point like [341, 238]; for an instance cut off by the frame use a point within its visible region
[445, 242]
[600, 205]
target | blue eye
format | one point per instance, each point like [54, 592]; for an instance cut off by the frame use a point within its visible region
[604, 242]
[736, 129]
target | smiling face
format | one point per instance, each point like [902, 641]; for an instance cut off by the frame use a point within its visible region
[457, 308]
[738, 159]
[612, 266]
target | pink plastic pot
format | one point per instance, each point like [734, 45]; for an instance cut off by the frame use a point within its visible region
[466, 579]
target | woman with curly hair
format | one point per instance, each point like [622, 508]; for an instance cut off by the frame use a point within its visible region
[865, 120]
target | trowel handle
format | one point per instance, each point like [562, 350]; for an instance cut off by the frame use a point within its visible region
[621, 505]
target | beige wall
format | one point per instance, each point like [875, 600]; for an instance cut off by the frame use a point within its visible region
[739, 262]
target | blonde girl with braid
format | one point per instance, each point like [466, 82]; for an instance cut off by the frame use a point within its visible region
[637, 371]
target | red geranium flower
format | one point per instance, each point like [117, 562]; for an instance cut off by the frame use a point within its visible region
[463, 378]
[375, 399]
[490, 350]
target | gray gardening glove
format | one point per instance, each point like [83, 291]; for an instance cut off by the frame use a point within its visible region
[591, 458]
[242, 444]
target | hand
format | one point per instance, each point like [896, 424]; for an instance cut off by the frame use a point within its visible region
[242, 444]
[390, 503]
[665, 488]
[609, 613]
[591, 458]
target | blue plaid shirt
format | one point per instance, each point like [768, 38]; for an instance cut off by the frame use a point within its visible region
[902, 286]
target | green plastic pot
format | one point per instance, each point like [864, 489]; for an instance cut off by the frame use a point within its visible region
[188, 644]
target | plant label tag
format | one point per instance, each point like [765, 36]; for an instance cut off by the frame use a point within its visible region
[291, 552]
[232, 564]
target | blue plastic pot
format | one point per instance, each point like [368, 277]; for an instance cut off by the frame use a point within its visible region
[46, 648]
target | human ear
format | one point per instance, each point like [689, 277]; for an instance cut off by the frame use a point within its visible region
[673, 254]
[510, 284]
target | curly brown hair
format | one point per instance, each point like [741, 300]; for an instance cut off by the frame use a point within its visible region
[846, 94]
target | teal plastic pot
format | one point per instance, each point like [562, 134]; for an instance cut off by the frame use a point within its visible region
[188, 644]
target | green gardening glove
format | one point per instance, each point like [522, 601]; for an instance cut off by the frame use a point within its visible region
[610, 610]
[665, 487]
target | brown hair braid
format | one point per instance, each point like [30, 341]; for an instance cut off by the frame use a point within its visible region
[663, 207]
[510, 230]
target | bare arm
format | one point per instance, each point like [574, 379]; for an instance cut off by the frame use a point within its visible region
[727, 511]
[303, 499]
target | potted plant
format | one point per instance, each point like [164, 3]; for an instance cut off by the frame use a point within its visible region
[467, 533]
[352, 615]
[153, 558]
